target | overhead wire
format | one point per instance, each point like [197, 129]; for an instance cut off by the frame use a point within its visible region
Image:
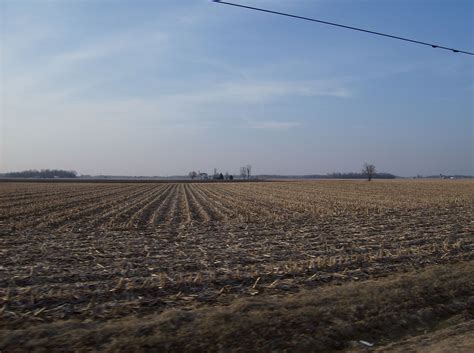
[436, 46]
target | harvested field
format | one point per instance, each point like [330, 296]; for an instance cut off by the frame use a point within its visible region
[80, 253]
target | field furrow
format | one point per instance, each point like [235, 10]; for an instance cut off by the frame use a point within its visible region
[129, 216]
[43, 206]
[76, 253]
[172, 217]
[196, 212]
[143, 217]
[63, 216]
[159, 215]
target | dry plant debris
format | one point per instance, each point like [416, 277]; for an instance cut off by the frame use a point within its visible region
[96, 252]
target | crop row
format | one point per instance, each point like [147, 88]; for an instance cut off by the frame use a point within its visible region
[105, 274]
[141, 206]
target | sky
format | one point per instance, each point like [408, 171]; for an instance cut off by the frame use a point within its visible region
[163, 87]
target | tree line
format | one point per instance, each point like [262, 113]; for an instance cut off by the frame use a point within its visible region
[43, 173]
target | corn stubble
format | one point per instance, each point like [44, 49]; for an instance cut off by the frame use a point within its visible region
[90, 253]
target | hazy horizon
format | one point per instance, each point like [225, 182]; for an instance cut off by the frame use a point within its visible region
[162, 88]
[237, 173]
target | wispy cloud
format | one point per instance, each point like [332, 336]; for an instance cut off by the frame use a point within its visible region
[43, 72]
[257, 91]
[59, 85]
[273, 125]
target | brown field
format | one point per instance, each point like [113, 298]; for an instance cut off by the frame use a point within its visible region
[268, 266]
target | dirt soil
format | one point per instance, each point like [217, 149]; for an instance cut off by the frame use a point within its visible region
[82, 264]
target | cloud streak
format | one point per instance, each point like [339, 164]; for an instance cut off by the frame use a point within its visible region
[259, 91]
[273, 125]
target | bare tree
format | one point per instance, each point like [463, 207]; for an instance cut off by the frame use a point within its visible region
[243, 172]
[193, 175]
[369, 170]
[248, 169]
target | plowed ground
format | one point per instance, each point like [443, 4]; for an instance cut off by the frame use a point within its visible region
[73, 251]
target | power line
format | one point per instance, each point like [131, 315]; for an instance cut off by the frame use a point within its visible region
[344, 26]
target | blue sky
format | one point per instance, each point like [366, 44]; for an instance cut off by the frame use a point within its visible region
[164, 87]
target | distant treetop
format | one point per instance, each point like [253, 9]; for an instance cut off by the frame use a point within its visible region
[43, 173]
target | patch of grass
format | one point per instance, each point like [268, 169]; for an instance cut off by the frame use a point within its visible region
[319, 320]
